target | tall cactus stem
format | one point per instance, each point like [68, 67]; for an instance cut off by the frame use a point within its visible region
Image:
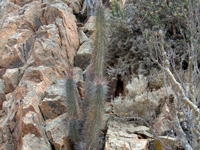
[100, 41]
[93, 119]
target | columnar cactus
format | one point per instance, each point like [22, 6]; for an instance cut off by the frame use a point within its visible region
[72, 108]
[100, 41]
[93, 119]
[96, 91]
[71, 97]
[98, 88]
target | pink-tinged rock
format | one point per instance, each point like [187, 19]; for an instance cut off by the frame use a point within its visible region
[78, 79]
[43, 52]
[33, 85]
[25, 20]
[52, 108]
[46, 50]
[163, 122]
[6, 142]
[34, 82]
[2, 71]
[31, 123]
[40, 74]
[84, 55]
[54, 103]
[13, 50]
[23, 2]
[75, 5]
[82, 37]
[9, 21]
[58, 133]
[9, 7]
[67, 27]
[89, 25]
[8, 104]
[9, 26]
[33, 142]
[39, 52]
[5, 137]
[56, 90]
[11, 79]
[11, 43]
[77, 74]
[27, 117]
[19, 37]
[26, 121]
[31, 16]
[13, 56]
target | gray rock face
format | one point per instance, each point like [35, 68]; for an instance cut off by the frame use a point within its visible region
[36, 143]
[78, 75]
[118, 138]
[82, 37]
[84, 55]
[58, 133]
[56, 90]
[89, 26]
[61, 14]
[54, 104]
[133, 129]
[11, 79]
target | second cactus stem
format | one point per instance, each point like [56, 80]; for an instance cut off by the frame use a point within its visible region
[94, 113]
[72, 107]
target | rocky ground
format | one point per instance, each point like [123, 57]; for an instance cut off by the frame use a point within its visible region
[40, 41]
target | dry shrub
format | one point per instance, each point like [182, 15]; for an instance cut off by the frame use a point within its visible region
[140, 101]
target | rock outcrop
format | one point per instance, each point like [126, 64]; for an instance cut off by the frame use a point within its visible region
[119, 138]
[38, 43]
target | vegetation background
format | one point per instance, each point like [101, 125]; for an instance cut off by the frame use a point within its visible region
[159, 37]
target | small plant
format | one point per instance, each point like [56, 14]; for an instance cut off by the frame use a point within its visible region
[116, 11]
